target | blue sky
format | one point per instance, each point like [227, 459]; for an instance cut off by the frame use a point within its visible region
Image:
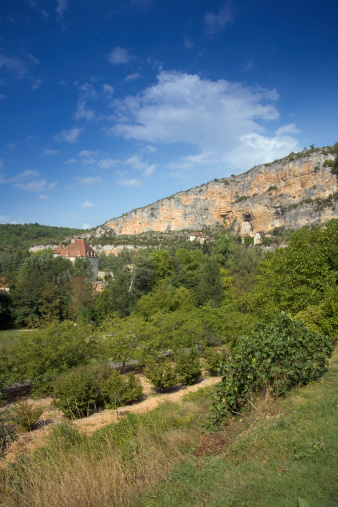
[107, 106]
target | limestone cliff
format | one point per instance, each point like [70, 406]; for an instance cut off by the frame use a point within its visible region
[291, 192]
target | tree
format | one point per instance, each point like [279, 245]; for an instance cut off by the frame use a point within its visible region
[299, 275]
[210, 287]
[163, 263]
[126, 338]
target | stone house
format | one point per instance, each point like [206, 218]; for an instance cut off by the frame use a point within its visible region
[78, 248]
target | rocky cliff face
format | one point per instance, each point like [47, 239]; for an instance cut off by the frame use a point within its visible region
[293, 192]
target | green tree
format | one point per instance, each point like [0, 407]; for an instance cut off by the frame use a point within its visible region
[210, 287]
[297, 276]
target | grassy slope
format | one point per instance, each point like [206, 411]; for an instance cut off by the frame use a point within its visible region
[282, 459]
[270, 457]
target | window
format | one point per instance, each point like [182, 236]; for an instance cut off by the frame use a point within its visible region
[78, 254]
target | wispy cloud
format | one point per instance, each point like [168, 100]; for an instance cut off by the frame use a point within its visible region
[71, 161]
[29, 181]
[87, 92]
[70, 136]
[48, 151]
[137, 163]
[108, 89]
[43, 197]
[107, 163]
[61, 7]
[133, 77]
[217, 22]
[89, 204]
[188, 42]
[118, 56]
[14, 65]
[87, 181]
[129, 183]
[86, 226]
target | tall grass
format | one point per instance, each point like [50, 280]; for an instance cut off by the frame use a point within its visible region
[113, 467]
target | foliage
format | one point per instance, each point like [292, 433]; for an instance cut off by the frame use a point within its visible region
[117, 390]
[26, 415]
[292, 278]
[162, 374]
[74, 393]
[187, 366]
[126, 339]
[166, 299]
[13, 236]
[7, 433]
[41, 355]
[275, 358]
[210, 288]
[213, 360]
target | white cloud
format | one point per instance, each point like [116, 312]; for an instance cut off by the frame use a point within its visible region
[32, 186]
[89, 156]
[70, 136]
[88, 204]
[118, 56]
[188, 42]
[132, 77]
[61, 7]
[13, 65]
[107, 163]
[108, 89]
[86, 226]
[287, 129]
[71, 161]
[5, 219]
[43, 197]
[217, 22]
[217, 118]
[136, 163]
[88, 181]
[87, 92]
[47, 151]
[129, 183]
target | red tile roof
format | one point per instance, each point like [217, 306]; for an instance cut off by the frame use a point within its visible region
[58, 249]
[78, 248]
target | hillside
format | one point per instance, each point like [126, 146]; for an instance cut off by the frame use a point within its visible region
[297, 190]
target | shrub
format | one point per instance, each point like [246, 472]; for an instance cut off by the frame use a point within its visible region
[188, 368]
[213, 360]
[25, 415]
[117, 390]
[7, 433]
[75, 393]
[275, 358]
[161, 374]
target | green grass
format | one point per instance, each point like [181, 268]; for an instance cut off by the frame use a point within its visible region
[277, 460]
[271, 456]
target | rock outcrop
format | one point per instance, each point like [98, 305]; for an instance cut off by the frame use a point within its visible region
[293, 192]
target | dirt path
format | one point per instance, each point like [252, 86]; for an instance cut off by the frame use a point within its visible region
[32, 440]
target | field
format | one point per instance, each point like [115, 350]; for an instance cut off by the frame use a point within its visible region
[281, 453]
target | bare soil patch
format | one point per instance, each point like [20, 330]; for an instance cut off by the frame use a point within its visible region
[30, 441]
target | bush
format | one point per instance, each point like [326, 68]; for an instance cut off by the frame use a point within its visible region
[25, 415]
[162, 374]
[188, 368]
[213, 360]
[275, 358]
[7, 433]
[75, 393]
[117, 390]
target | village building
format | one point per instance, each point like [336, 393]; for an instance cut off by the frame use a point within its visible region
[76, 249]
[3, 285]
